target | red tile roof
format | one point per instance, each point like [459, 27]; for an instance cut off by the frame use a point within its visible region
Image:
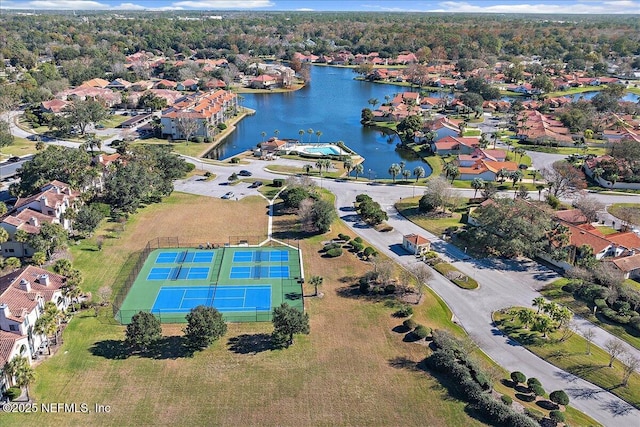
[626, 239]
[572, 216]
[416, 239]
[628, 263]
[21, 302]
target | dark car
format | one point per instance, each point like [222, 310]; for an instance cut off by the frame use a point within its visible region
[244, 173]
[256, 184]
[14, 159]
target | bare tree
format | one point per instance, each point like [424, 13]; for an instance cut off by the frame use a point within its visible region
[104, 294]
[305, 214]
[630, 364]
[628, 216]
[187, 125]
[439, 193]
[563, 179]
[589, 206]
[423, 274]
[588, 336]
[384, 269]
[614, 348]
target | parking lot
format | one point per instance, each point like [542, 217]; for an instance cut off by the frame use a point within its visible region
[217, 187]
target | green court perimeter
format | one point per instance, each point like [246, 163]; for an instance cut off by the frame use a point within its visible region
[244, 283]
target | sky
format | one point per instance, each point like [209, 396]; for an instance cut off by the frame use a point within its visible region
[468, 6]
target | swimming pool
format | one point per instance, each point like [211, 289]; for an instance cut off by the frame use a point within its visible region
[325, 151]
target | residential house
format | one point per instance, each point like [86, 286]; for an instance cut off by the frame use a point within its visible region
[54, 199]
[108, 97]
[55, 106]
[455, 145]
[119, 84]
[541, 128]
[188, 85]
[488, 170]
[264, 81]
[208, 110]
[629, 266]
[23, 294]
[171, 96]
[141, 85]
[405, 58]
[165, 84]
[99, 83]
[415, 244]
[571, 216]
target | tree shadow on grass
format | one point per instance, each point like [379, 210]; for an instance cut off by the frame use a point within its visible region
[547, 404]
[584, 370]
[353, 291]
[172, 347]
[525, 397]
[402, 362]
[250, 344]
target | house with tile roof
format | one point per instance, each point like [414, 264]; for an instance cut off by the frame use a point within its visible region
[415, 244]
[541, 128]
[207, 109]
[119, 84]
[23, 294]
[455, 145]
[101, 83]
[629, 265]
[54, 106]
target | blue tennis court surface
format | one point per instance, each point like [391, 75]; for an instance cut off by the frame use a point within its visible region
[223, 298]
[185, 256]
[179, 273]
[259, 272]
[261, 256]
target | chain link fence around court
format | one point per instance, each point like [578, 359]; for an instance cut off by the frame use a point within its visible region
[249, 315]
[176, 242]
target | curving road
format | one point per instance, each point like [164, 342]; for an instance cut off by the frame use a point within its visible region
[502, 283]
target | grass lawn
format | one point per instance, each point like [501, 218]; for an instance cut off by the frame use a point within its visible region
[472, 132]
[114, 120]
[554, 292]
[465, 282]
[605, 229]
[573, 91]
[632, 210]
[351, 370]
[193, 149]
[571, 356]
[337, 170]
[408, 208]
[19, 147]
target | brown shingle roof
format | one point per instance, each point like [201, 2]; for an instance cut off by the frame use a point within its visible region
[572, 216]
[628, 263]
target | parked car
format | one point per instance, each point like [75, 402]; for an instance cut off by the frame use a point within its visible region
[228, 195]
[256, 184]
[14, 159]
[244, 173]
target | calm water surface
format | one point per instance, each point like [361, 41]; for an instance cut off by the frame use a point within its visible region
[332, 104]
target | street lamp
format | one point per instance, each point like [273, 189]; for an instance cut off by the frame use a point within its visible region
[370, 171]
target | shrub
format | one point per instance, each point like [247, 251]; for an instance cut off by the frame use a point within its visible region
[600, 303]
[222, 126]
[13, 393]
[537, 389]
[390, 289]
[422, 332]
[334, 252]
[358, 247]
[559, 397]
[494, 410]
[635, 323]
[534, 413]
[557, 416]
[430, 255]
[358, 239]
[369, 251]
[344, 237]
[409, 324]
[553, 201]
[207, 174]
[199, 139]
[330, 246]
[235, 160]
[482, 380]
[518, 377]
[278, 182]
[507, 400]
[364, 287]
[531, 381]
[404, 311]
[208, 139]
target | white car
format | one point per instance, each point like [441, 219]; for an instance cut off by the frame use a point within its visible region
[228, 195]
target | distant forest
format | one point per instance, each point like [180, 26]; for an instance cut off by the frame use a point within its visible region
[103, 38]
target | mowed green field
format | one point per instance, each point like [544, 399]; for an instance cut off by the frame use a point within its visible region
[351, 370]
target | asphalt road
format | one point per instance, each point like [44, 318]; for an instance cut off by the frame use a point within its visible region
[502, 284]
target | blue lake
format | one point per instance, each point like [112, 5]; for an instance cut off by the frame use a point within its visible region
[331, 103]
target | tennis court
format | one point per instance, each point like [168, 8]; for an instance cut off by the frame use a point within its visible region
[223, 298]
[202, 257]
[178, 273]
[259, 272]
[261, 256]
[171, 281]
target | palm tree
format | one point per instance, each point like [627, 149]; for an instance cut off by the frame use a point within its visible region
[495, 139]
[402, 166]
[518, 151]
[318, 134]
[307, 168]
[477, 184]
[526, 316]
[394, 170]
[316, 281]
[597, 173]
[451, 171]
[540, 187]
[539, 303]
[515, 176]
[502, 174]
[320, 165]
[348, 165]
[310, 132]
[20, 370]
[418, 172]
[301, 133]
[373, 102]
[358, 169]
[276, 133]
[264, 134]
[406, 174]
[544, 324]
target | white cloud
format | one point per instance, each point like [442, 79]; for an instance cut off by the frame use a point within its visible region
[305, 9]
[374, 7]
[129, 6]
[223, 4]
[618, 7]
